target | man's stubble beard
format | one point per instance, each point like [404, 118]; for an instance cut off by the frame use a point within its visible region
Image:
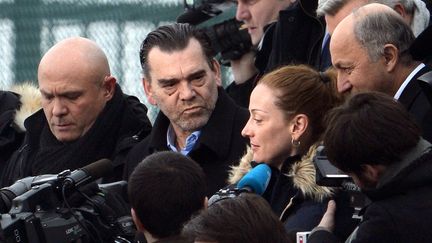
[193, 122]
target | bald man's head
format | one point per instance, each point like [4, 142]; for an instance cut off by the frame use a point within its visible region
[75, 83]
[78, 53]
[373, 8]
[357, 15]
[367, 46]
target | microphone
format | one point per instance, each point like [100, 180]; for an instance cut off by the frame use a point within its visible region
[195, 16]
[88, 173]
[207, 10]
[256, 180]
[7, 194]
[198, 15]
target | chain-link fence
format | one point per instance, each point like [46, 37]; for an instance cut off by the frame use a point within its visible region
[30, 27]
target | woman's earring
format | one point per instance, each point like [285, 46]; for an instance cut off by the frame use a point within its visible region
[295, 143]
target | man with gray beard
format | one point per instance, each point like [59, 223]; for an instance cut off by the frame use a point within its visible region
[196, 118]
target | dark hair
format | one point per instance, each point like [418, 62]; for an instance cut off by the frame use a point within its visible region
[246, 218]
[165, 190]
[174, 37]
[302, 90]
[370, 128]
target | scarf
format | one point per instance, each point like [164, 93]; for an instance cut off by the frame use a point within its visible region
[99, 142]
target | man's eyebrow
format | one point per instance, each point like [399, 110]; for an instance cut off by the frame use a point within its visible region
[67, 93]
[339, 65]
[168, 81]
[44, 93]
[72, 93]
[342, 63]
[196, 74]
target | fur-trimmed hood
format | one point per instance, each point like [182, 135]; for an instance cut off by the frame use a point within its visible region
[30, 99]
[302, 172]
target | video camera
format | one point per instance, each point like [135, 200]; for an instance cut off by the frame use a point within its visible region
[330, 176]
[228, 37]
[65, 208]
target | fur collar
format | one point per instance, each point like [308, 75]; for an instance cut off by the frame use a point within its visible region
[30, 99]
[302, 172]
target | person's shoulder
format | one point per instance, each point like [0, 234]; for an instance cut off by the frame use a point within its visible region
[389, 221]
[323, 236]
[136, 108]
[135, 104]
[135, 155]
[8, 101]
[140, 149]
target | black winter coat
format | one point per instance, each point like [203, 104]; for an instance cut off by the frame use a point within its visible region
[401, 208]
[294, 39]
[111, 136]
[415, 100]
[219, 146]
[10, 137]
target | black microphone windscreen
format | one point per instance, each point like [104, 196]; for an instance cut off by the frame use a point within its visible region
[193, 17]
[99, 168]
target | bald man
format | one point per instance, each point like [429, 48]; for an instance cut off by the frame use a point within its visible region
[369, 50]
[84, 116]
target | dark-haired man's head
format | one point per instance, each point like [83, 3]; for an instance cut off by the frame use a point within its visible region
[172, 38]
[180, 75]
[165, 190]
[370, 132]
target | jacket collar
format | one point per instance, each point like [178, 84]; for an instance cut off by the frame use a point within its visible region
[302, 172]
[215, 135]
[412, 170]
[412, 90]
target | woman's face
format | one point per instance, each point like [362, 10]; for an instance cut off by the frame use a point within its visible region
[267, 128]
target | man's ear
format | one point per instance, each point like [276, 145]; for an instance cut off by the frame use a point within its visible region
[148, 91]
[138, 224]
[109, 84]
[205, 203]
[371, 174]
[217, 70]
[391, 57]
[400, 9]
[298, 126]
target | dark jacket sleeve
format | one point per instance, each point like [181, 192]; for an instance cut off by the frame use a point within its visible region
[140, 111]
[322, 236]
[377, 226]
[10, 138]
[240, 93]
[298, 36]
[135, 155]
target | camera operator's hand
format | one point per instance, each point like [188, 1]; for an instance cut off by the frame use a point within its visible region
[328, 220]
[244, 68]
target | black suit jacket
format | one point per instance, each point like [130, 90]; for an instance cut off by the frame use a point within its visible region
[219, 146]
[417, 103]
